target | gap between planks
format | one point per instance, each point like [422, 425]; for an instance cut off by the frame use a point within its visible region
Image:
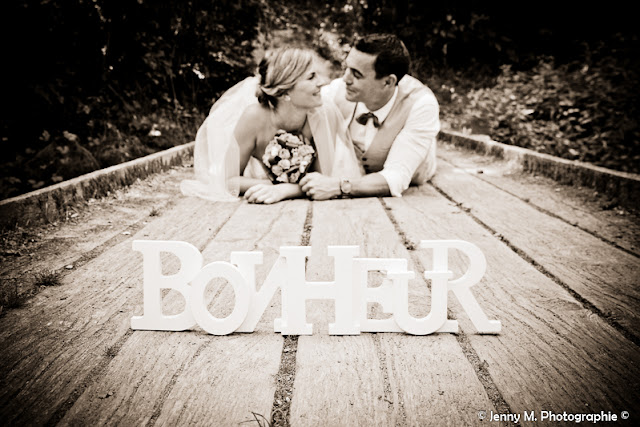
[474, 361]
[183, 394]
[343, 380]
[281, 407]
[456, 162]
[469, 352]
[553, 353]
[588, 305]
[573, 224]
[98, 371]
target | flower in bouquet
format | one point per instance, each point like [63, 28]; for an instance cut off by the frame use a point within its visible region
[287, 157]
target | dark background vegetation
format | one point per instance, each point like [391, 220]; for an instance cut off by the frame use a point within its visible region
[93, 83]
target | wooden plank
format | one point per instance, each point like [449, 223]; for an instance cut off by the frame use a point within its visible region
[54, 346]
[341, 381]
[600, 273]
[230, 380]
[236, 375]
[438, 386]
[594, 212]
[552, 353]
[188, 377]
[375, 379]
[133, 384]
[95, 227]
[624, 186]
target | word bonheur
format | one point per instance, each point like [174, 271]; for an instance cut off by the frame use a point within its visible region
[349, 290]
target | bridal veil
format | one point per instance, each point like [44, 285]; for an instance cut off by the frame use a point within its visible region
[216, 153]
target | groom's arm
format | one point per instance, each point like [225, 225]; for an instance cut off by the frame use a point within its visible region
[414, 147]
[321, 187]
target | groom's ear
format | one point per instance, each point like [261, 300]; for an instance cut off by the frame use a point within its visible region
[390, 80]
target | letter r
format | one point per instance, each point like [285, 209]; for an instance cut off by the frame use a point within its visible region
[461, 287]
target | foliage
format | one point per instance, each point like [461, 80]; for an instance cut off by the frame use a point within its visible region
[102, 82]
[325, 26]
[99, 82]
[560, 80]
[575, 111]
[484, 35]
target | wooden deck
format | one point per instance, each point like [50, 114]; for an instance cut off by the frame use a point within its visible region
[563, 268]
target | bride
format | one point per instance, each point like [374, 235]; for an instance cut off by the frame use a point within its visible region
[274, 128]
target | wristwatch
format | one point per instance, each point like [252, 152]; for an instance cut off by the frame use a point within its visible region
[345, 187]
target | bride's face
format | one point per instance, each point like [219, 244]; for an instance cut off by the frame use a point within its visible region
[306, 92]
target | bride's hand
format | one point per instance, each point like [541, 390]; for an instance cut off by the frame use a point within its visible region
[266, 193]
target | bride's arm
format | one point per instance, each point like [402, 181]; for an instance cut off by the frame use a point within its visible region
[257, 190]
[246, 133]
[269, 193]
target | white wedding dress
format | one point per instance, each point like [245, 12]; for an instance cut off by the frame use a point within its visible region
[216, 153]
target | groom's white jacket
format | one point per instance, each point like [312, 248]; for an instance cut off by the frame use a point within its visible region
[404, 148]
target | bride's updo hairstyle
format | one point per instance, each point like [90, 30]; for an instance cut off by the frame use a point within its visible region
[280, 70]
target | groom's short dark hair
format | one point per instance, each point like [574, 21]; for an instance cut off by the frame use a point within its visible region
[392, 56]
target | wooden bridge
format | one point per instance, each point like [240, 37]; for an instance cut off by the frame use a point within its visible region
[563, 269]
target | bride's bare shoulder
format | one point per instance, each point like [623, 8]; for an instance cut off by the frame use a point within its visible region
[251, 124]
[254, 116]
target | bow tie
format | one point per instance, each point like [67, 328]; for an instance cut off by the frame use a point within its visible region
[364, 118]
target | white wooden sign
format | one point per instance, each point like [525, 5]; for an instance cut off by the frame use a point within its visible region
[349, 290]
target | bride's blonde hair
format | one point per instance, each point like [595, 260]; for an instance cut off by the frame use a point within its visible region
[280, 70]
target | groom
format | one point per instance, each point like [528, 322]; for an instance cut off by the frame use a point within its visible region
[392, 119]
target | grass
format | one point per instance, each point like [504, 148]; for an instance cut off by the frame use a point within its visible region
[47, 278]
[10, 296]
[111, 351]
[260, 419]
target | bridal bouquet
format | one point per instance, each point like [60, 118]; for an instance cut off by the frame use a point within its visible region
[287, 157]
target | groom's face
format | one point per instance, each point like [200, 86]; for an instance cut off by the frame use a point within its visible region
[360, 78]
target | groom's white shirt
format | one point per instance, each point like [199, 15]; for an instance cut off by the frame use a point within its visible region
[411, 147]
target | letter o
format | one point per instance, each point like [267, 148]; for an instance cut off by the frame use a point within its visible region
[208, 322]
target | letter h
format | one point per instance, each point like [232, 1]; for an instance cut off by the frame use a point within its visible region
[296, 290]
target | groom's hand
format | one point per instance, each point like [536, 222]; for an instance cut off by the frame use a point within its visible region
[319, 187]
